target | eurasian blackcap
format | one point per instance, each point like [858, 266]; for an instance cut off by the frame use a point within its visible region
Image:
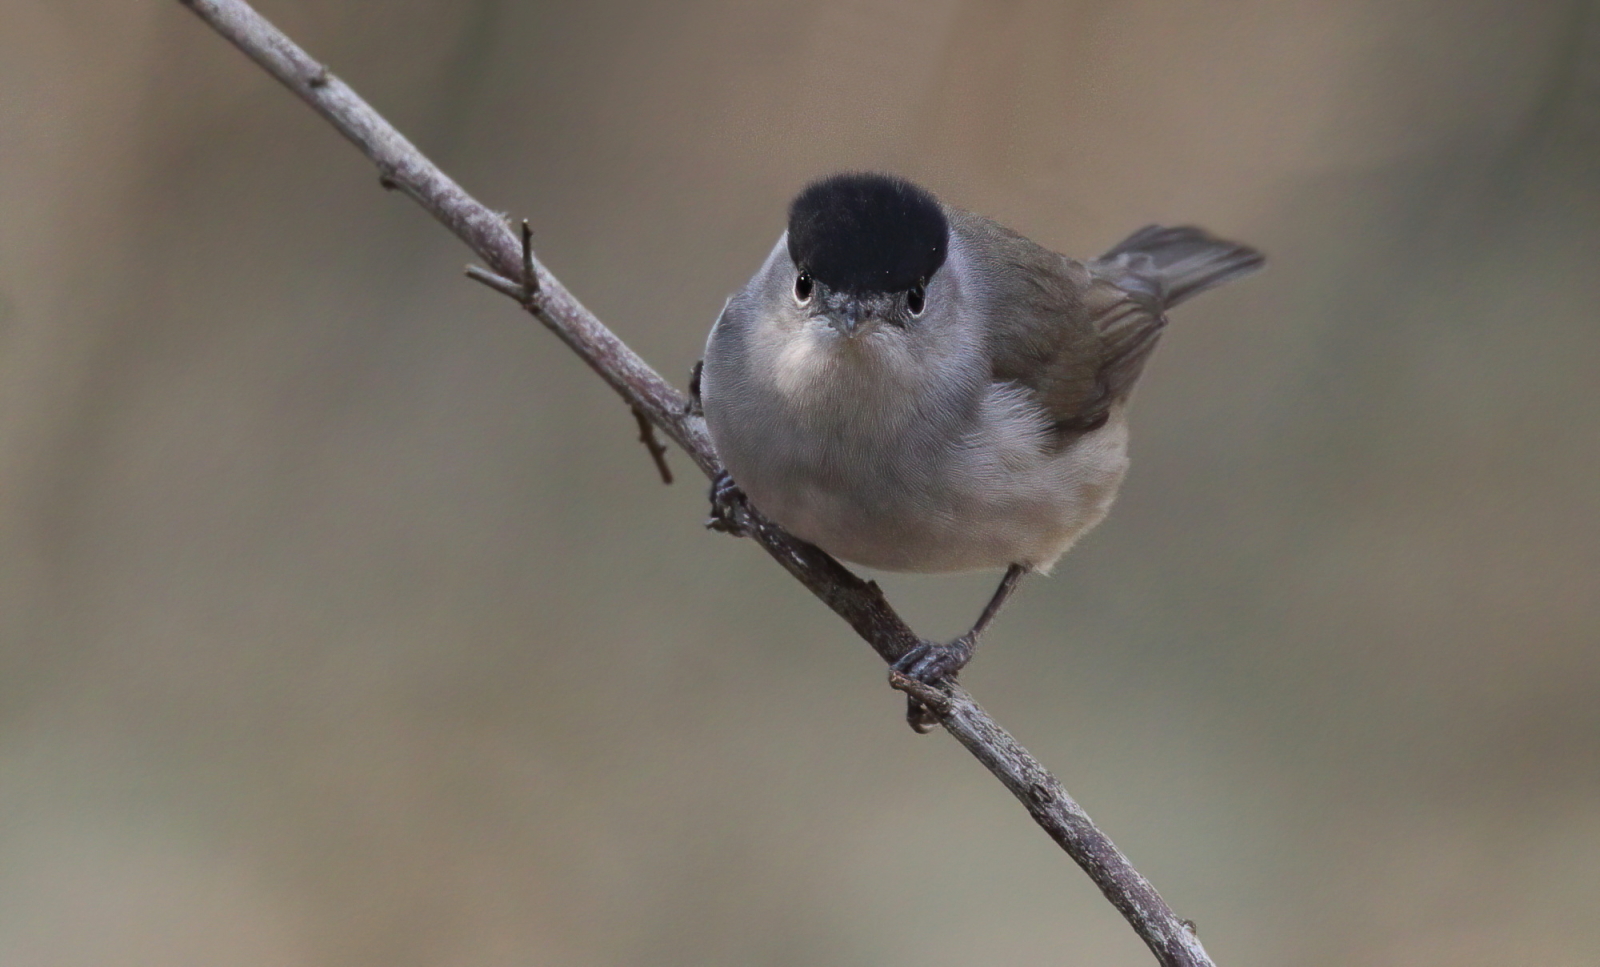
[913, 387]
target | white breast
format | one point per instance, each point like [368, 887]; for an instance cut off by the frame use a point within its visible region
[932, 469]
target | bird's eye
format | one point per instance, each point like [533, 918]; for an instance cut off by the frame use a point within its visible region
[916, 299]
[802, 287]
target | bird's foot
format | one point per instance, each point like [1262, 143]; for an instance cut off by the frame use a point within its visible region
[728, 505]
[932, 663]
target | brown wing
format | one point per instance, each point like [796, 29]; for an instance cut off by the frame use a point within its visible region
[1075, 339]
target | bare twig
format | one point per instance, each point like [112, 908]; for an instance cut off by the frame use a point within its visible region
[515, 272]
[530, 278]
[498, 283]
[658, 453]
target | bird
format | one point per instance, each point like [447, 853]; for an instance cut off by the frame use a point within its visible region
[913, 387]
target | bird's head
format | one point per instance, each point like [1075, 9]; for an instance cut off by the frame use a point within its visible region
[863, 249]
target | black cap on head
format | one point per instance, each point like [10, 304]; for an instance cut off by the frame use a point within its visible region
[861, 233]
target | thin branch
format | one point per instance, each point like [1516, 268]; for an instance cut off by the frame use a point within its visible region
[502, 285]
[658, 452]
[861, 603]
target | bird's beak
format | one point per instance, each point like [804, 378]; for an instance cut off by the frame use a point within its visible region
[846, 319]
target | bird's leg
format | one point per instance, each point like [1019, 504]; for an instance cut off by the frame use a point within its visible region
[694, 407]
[932, 662]
[727, 506]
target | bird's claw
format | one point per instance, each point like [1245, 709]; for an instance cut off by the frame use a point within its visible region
[932, 662]
[920, 717]
[727, 506]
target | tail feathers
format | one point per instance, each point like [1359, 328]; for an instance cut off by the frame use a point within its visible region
[1173, 264]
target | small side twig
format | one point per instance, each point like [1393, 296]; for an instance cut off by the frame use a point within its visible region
[861, 603]
[658, 452]
[933, 698]
[530, 277]
[498, 283]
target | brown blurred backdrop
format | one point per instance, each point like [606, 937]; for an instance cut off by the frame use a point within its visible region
[343, 622]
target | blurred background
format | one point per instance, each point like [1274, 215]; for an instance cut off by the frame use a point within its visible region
[343, 621]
